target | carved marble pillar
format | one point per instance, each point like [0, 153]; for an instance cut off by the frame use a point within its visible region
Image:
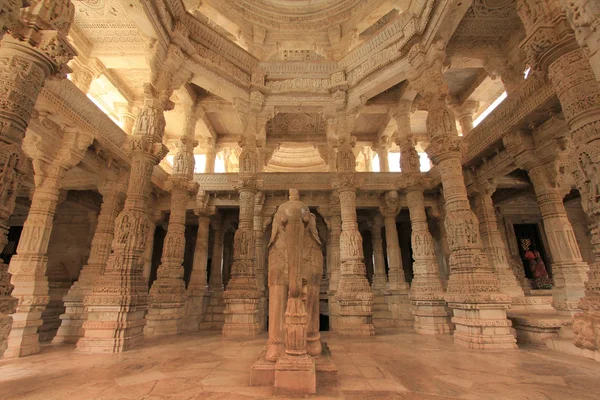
[569, 271]
[259, 255]
[396, 277]
[118, 303]
[429, 308]
[113, 198]
[197, 290]
[353, 295]
[379, 277]
[382, 147]
[41, 51]
[368, 156]
[584, 16]
[242, 294]
[574, 72]
[464, 114]
[28, 266]
[211, 156]
[126, 117]
[494, 245]
[333, 219]
[168, 293]
[473, 290]
[214, 317]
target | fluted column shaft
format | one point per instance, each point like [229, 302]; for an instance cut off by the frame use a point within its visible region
[70, 330]
[496, 249]
[379, 277]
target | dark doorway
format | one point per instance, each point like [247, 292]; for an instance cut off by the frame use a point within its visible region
[14, 234]
[528, 235]
[323, 322]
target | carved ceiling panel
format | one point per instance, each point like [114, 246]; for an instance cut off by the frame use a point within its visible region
[487, 21]
[370, 124]
[297, 124]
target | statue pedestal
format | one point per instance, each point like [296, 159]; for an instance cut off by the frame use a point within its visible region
[295, 376]
[266, 373]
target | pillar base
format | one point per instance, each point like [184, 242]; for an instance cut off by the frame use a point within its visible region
[5, 325]
[399, 304]
[432, 317]
[23, 339]
[355, 318]
[112, 329]
[166, 308]
[214, 317]
[71, 327]
[295, 376]
[382, 316]
[482, 326]
[241, 314]
[195, 310]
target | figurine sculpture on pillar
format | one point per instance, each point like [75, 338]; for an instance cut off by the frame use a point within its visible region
[295, 271]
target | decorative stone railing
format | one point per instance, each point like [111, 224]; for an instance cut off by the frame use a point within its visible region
[317, 181]
[532, 97]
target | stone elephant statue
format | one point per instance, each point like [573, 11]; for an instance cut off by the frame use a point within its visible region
[294, 236]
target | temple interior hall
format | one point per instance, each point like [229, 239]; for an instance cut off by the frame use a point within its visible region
[329, 199]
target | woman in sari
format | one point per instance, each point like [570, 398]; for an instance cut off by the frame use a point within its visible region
[540, 280]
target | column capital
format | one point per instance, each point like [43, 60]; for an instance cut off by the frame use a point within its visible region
[391, 204]
[203, 207]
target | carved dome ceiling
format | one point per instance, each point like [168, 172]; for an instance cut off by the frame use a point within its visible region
[296, 157]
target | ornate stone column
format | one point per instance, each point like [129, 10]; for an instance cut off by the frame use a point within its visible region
[550, 46]
[113, 198]
[353, 294]
[569, 271]
[242, 294]
[473, 290]
[382, 153]
[28, 266]
[197, 290]
[118, 303]
[211, 156]
[214, 317]
[464, 114]
[396, 278]
[168, 294]
[368, 156]
[37, 49]
[584, 16]
[429, 308]
[333, 219]
[259, 226]
[494, 246]
[379, 277]
[126, 117]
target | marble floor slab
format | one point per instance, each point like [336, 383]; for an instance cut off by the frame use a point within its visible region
[392, 365]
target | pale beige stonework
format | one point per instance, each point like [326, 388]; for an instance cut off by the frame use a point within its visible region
[148, 149]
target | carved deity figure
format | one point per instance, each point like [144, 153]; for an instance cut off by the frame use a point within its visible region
[295, 271]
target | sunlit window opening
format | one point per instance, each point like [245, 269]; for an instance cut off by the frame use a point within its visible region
[526, 73]
[394, 161]
[169, 159]
[104, 95]
[220, 163]
[491, 108]
[375, 164]
[424, 163]
[199, 163]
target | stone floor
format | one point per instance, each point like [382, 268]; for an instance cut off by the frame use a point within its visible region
[391, 365]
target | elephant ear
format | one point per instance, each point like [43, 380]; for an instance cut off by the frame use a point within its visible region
[275, 229]
[312, 226]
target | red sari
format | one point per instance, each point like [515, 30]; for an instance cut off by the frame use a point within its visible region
[541, 280]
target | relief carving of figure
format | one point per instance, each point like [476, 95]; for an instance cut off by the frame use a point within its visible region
[295, 271]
